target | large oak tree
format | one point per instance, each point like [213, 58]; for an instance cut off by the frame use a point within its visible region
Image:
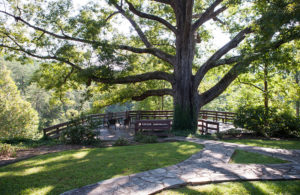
[86, 45]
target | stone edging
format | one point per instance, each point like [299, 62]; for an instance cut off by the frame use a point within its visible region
[207, 166]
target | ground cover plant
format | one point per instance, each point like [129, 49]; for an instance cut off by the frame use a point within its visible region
[7, 150]
[58, 172]
[244, 157]
[23, 143]
[245, 188]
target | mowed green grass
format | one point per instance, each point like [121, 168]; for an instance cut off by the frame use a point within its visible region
[278, 144]
[248, 188]
[58, 172]
[244, 157]
[240, 188]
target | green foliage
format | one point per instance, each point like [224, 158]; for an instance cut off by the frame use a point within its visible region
[139, 137]
[17, 117]
[24, 143]
[121, 142]
[252, 118]
[78, 133]
[7, 150]
[284, 125]
[53, 107]
[269, 123]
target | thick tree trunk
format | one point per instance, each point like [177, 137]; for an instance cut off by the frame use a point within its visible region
[186, 109]
[186, 104]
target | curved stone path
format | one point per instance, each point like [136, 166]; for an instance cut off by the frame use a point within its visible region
[207, 166]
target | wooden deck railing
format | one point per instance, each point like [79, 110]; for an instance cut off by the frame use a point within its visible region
[204, 126]
[133, 116]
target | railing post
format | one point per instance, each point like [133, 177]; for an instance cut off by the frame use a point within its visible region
[136, 127]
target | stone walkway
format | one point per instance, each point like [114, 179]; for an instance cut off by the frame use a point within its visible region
[207, 166]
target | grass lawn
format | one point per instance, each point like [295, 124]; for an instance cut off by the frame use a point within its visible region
[243, 188]
[279, 144]
[244, 157]
[58, 172]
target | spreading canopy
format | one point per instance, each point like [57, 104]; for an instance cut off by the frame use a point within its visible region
[168, 40]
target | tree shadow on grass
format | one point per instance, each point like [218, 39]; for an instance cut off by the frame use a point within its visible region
[243, 187]
[58, 172]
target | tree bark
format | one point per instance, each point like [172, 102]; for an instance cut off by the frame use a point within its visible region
[266, 92]
[297, 101]
[186, 104]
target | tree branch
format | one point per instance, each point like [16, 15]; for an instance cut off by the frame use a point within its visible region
[237, 69]
[151, 17]
[42, 57]
[134, 25]
[168, 2]
[230, 60]
[157, 75]
[211, 62]
[156, 52]
[250, 84]
[65, 37]
[208, 14]
[155, 92]
[216, 90]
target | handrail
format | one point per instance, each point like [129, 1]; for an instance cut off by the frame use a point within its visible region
[138, 115]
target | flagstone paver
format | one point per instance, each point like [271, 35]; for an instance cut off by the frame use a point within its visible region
[208, 165]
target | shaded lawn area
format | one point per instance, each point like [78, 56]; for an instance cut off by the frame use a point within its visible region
[277, 144]
[58, 172]
[244, 157]
[245, 188]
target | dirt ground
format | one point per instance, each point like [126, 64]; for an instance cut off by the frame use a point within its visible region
[28, 153]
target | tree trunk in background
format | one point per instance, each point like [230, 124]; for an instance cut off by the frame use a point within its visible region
[297, 101]
[266, 92]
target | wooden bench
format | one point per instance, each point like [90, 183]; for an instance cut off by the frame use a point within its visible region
[160, 128]
[205, 125]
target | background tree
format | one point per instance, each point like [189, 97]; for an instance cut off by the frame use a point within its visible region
[17, 118]
[85, 46]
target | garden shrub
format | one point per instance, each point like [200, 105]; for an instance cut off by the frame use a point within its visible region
[284, 125]
[7, 150]
[267, 124]
[121, 142]
[23, 143]
[78, 133]
[139, 137]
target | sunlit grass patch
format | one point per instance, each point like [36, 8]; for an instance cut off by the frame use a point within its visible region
[278, 144]
[244, 157]
[58, 172]
[240, 188]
